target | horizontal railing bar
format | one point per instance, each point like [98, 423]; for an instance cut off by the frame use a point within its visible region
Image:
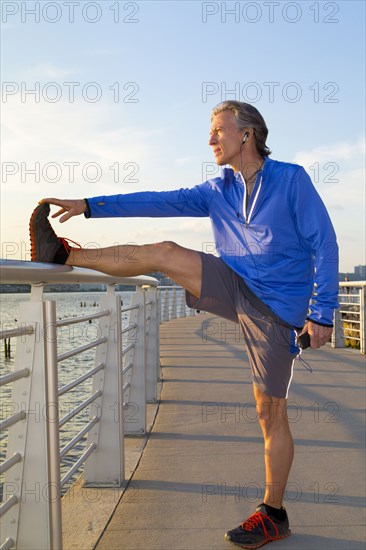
[171, 287]
[355, 284]
[7, 378]
[351, 313]
[82, 406]
[81, 349]
[79, 436]
[81, 379]
[128, 348]
[74, 320]
[129, 308]
[149, 302]
[77, 464]
[126, 386]
[7, 464]
[16, 332]
[12, 420]
[11, 501]
[16, 271]
[8, 543]
[351, 337]
[130, 327]
[127, 368]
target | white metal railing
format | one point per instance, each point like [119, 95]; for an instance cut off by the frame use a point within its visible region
[349, 319]
[124, 379]
[173, 303]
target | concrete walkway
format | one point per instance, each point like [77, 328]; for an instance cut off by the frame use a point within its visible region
[202, 470]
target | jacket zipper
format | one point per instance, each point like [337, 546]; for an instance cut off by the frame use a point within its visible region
[248, 216]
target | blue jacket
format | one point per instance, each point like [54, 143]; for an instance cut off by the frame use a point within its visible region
[282, 242]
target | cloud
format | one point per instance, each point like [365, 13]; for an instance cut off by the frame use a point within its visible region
[335, 152]
[104, 51]
[46, 71]
[185, 160]
[61, 132]
[338, 173]
[46, 138]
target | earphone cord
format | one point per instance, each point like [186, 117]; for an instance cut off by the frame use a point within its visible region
[303, 362]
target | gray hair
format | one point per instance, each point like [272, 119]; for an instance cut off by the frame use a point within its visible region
[247, 116]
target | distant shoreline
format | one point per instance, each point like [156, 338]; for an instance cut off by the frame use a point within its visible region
[127, 288]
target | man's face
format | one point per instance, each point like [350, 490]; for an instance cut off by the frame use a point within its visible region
[225, 139]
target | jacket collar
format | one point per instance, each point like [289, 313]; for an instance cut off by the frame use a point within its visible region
[228, 173]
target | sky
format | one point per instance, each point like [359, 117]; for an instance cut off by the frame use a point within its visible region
[108, 97]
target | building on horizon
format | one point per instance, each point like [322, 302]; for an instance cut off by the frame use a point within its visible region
[360, 270]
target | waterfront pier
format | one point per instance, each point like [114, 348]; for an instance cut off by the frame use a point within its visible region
[173, 452]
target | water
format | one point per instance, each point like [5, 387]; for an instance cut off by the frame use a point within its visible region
[71, 304]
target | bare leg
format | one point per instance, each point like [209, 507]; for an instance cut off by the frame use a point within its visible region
[182, 265]
[278, 445]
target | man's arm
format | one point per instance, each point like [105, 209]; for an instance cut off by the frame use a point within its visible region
[192, 202]
[316, 230]
[155, 204]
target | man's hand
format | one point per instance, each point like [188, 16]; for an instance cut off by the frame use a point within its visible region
[72, 207]
[319, 335]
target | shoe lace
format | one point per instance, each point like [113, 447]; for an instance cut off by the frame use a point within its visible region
[258, 519]
[65, 241]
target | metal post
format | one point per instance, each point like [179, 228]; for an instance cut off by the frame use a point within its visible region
[152, 345]
[362, 295]
[158, 322]
[182, 304]
[337, 334]
[52, 426]
[105, 466]
[28, 522]
[165, 316]
[173, 314]
[135, 412]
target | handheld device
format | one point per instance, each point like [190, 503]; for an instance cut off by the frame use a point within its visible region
[304, 340]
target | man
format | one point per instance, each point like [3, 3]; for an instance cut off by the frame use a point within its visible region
[275, 241]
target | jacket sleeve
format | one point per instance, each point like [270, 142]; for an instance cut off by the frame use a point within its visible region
[316, 231]
[154, 204]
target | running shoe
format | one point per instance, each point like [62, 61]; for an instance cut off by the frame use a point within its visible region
[45, 245]
[259, 529]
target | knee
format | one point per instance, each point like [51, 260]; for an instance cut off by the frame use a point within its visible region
[271, 415]
[166, 249]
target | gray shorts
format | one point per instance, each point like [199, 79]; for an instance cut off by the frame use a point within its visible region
[270, 342]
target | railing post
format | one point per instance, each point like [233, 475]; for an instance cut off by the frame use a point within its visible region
[173, 314]
[182, 309]
[28, 523]
[52, 425]
[135, 404]
[165, 316]
[337, 334]
[105, 466]
[158, 323]
[152, 351]
[362, 294]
